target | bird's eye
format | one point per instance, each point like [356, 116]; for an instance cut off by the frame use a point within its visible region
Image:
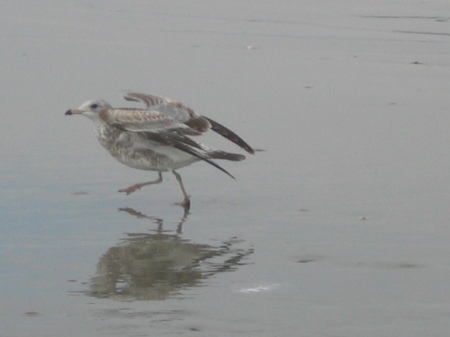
[94, 106]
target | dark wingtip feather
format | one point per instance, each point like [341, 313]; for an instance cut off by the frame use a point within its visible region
[230, 135]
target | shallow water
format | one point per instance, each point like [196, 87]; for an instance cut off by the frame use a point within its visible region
[339, 227]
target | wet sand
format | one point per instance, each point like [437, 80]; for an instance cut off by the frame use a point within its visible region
[338, 228]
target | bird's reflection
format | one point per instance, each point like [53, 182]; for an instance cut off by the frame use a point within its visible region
[156, 219]
[156, 266]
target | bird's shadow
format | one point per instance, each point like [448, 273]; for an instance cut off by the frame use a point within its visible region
[161, 264]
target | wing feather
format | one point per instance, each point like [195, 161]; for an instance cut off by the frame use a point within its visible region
[174, 109]
[139, 120]
[186, 115]
[148, 100]
[230, 135]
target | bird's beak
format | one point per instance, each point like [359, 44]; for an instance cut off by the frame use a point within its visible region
[73, 112]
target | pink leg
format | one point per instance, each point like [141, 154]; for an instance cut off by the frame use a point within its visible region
[186, 203]
[136, 187]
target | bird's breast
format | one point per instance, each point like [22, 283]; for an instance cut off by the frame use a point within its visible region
[140, 153]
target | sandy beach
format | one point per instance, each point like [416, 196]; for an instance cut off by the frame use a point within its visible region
[339, 226]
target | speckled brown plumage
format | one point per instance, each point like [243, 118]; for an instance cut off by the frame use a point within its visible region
[157, 138]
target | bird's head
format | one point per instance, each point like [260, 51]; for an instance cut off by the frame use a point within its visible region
[90, 109]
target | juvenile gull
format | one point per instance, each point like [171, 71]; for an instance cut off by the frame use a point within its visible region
[157, 138]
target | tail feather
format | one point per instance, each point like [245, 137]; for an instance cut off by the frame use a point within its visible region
[226, 155]
[185, 144]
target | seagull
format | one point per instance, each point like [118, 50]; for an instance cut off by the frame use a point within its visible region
[158, 137]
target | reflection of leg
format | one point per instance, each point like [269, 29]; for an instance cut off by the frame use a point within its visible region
[136, 187]
[187, 201]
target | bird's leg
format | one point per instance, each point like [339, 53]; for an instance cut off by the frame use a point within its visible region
[187, 201]
[136, 187]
